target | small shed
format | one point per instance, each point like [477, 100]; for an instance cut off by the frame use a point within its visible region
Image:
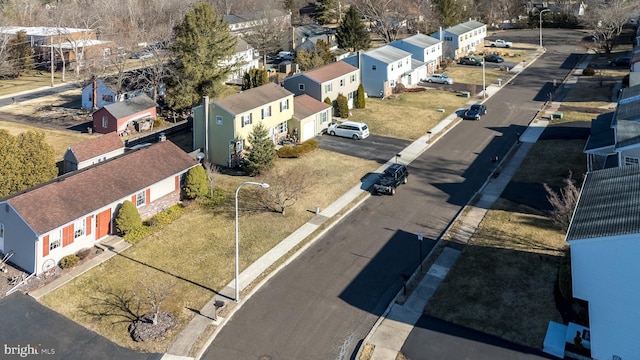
[125, 117]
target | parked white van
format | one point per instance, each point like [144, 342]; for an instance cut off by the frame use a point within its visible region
[350, 129]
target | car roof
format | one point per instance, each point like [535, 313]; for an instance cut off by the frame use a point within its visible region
[395, 167]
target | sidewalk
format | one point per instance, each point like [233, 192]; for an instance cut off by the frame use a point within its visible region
[393, 328]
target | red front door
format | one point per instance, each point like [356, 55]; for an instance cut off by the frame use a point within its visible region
[103, 224]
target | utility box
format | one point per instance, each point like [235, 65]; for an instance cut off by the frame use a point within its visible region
[556, 116]
[466, 94]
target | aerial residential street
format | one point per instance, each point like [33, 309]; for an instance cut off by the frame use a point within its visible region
[322, 305]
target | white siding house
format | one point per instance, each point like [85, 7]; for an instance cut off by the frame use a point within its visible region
[422, 48]
[604, 236]
[461, 39]
[381, 69]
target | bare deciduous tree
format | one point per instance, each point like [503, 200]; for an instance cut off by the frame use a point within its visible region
[269, 33]
[154, 294]
[387, 16]
[606, 18]
[212, 175]
[563, 203]
[286, 187]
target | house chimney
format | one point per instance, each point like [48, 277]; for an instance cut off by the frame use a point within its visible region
[94, 103]
[205, 103]
[440, 34]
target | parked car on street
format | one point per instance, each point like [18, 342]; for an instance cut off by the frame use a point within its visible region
[440, 79]
[470, 60]
[621, 61]
[500, 43]
[475, 112]
[493, 58]
[350, 129]
[286, 55]
[391, 178]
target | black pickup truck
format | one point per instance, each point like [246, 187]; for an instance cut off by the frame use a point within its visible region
[391, 178]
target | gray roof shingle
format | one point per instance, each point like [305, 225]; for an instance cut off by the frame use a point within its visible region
[602, 134]
[465, 27]
[387, 54]
[609, 204]
[627, 133]
[420, 40]
[130, 106]
[253, 98]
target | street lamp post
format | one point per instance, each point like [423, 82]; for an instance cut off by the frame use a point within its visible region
[264, 186]
[540, 13]
[484, 86]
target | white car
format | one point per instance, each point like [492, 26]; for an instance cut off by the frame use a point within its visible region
[350, 129]
[440, 79]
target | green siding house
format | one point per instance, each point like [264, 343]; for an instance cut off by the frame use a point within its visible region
[221, 128]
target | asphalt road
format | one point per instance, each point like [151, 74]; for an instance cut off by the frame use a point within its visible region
[37, 94]
[322, 305]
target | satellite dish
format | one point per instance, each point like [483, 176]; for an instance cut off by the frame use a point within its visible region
[200, 156]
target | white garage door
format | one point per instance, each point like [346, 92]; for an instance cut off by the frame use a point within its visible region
[308, 131]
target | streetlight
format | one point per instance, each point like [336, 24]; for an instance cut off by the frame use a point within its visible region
[484, 87]
[540, 13]
[264, 186]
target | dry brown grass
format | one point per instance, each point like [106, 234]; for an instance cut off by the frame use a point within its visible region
[367, 352]
[30, 80]
[60, 140]
[504, 280]
[550, 161]
[408, 115]
[197, 251]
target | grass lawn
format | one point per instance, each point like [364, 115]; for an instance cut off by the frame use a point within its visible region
[551, 160]
[195, 254]
[503, 282]
[60, 140]
[408, 115]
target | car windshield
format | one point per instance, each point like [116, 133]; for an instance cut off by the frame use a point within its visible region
[476, 107]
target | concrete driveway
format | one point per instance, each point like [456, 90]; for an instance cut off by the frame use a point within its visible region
[36, 329]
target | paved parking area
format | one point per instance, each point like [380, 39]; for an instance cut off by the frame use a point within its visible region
[375, 147]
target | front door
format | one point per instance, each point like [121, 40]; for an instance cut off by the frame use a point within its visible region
[103, 224]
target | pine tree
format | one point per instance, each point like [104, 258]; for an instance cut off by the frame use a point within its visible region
[262, 152]
[202, 41]
[128, 218]
[450, 12]
[323, 49]
[360, 102]
[325, 11]
[351, 33]
[20, 53]
[195, 184]
[254, 78]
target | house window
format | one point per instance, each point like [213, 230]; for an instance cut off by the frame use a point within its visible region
[239, 145]
[246, 120]
[353, 77]
[301, 87]
[105, 121]
[392, 83]
[266, 112]
[448, 38]
[341, 82]
[281, 128]
[631, 160]
[1, 231]
[107, 98]
[324, 117]
[328, 88]
[373, 67]
[141, 198]
[219, 119]
[79, 228]
[284, 105]
[56, 240]
[399, 64]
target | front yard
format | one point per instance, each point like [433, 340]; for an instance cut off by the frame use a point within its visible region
[194, 256]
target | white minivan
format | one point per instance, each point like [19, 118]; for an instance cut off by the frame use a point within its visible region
[350, 129]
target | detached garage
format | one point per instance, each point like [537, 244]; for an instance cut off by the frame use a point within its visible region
[310, 117]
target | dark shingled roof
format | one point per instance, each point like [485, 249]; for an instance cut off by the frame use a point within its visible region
[609, 204]
[130, 106]
[80, 193]
[602, 134]
[97, 146]
[627, 133]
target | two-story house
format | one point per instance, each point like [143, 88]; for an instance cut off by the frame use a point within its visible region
[462, 39]
[422, 48]
[604, 236]
[241, 62]
[326, 82]
[615, 137]
[381, 69]
[222, 128]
